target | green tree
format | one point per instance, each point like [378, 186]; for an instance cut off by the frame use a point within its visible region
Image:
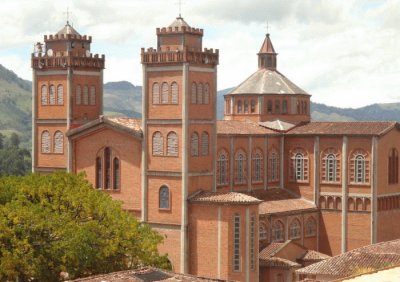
[55, 223]
[13, 159]
[14, 140]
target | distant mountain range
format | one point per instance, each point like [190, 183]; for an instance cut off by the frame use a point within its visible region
[125, 99]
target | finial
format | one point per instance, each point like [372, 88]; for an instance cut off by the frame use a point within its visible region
[179, 3]
[267, 27]
[68, 14]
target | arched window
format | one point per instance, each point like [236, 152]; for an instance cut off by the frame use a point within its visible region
[194, 93]
[204, 143]
[78, 93]
[262, 232]
[222, 168]
[156, 93]
[172, 144]
[107, 162]
[92, 95]
[44, 95]
[45, 142]
[200, 93]
[52, 95]
[278, 233]
[359, 167]
[252, 106]
[393, 171]
[58, 142]
[258, 167]
[273, 166]
[269, 107]
[116, 174]
[174, 93]
[164, 197]
[60, 94]
[85, 95]
[295, 229]
[164, 93]
[158, 144]
[239, 107]
[206, 94]
[311, 227]
[299, 166]
[246, 106]
[195, 144]
[99, 173]
[331, 166]
[284, 107]
[277, 107]
[240, 167]
[236, 242]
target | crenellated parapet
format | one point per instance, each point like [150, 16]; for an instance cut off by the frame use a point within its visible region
[67, 59]
[180, 29]
[68, 37]
[154, 56]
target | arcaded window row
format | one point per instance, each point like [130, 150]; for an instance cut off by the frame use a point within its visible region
[237, 237]
[171, 144]
[108, 170]
[163, 93]
[200, 93]
[85, 95]
[55, 146]
[52, 95]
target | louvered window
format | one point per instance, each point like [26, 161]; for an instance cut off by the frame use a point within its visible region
[52, 95]
[58, 142]
[60, 94]
[92, 95]
[200, 93]
[156, 93]
[194, 94]
[164, 93]
[158, 144]
[78, 95]
[44, 95]
[85, 95]
[116, 174]
[172, 144]
[204, 144]
[195, 144]
[174, 93]
[45, 142]
[206, 94]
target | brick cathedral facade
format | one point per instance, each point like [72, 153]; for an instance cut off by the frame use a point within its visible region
[223, 192]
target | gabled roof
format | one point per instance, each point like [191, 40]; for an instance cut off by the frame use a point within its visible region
[68, 29]
[277, 124]
[237, 127]
[313, 256]
[266, 81]
[360, 128]
[279, 262]
[222, 198]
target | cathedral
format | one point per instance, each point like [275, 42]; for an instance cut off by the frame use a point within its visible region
[228, 195]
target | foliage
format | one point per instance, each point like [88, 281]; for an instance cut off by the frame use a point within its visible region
[59, 223]
[13, 159]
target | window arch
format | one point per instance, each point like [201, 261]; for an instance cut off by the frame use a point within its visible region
[278, 233]
[206, 94]
[273, 166]
[393, 166]
[299, 166]
[116, 174]
[108, 169]
[60, 94]
[239, 107]
[222, 168]
[262, 232]
[92, 95]
[240, 167]
[257, 167]
[52, 95]
[359, 167]
[200, 93]
[195, 144]
[246, 106]
[295, 229]
[44, 95]
[158, 144]
[164, 197]
[204, 143]
[78, 94]
[194, 93]
[311, 227]
[331, 166]
[236, 242]
[172, 144]
[164, 93]
[174, 93]
[85, 95]
[156, 93]
[45, 142]
[58, 142]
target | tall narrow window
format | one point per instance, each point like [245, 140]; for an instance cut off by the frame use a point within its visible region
[277, 231]
[331, 166]
[222, 168]
[277, 107]
[200, 93]
[44, 95]
[85, 95]
[92, 95]
[239, 107]
[252, 242]
[99, 173]
[284, 107]
[52, 95]
[45, 142]
[156, 93]
[393, 171]
[246, 106]
[204, 143]
[58, 142]
[195, 144]
[60, 94]
[359, 167]
[194, 93]
[164, 93]
[311, 227]
[78, 93]
[240, 167]
[299, 166]
[107, 161]
[164, 197]
[295, 229]
[269, 107]
[174, 93]
[236, 242]
[257, 166]
[116, 174]
[206, 94]
[172, 144]
[273, 166]
[253, 106]
[262, 232]
[158, 144]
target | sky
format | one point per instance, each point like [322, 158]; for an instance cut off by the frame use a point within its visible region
[344, 53]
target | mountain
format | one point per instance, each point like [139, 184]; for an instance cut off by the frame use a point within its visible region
[122, 98]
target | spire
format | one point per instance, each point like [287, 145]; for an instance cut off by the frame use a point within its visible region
[68, 29]
[267, 55]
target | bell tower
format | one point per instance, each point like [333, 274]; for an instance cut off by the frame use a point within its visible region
[67, 92]
[179, 127]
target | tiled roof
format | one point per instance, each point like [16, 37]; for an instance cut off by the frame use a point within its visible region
[132, 123]
[279, 262]
[271, 249]
[237, 127]
[179, 22]
[68, 29]
[373, 256]
[311, 255]
[344, 128]
[277, 125]
[388, 274]
[265, 81]
[223, 198]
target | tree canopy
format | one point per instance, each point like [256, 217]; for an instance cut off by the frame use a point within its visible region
[13, 159]
[59, 223]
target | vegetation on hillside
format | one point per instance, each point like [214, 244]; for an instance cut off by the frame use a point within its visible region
[57, 224]
[14, 160]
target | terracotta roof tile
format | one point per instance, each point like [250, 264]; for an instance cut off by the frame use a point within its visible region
[271, 249]
[242, 128]
[132, 123]
[311, 255]
[344, 128]
[223, 198]
[279, 262]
